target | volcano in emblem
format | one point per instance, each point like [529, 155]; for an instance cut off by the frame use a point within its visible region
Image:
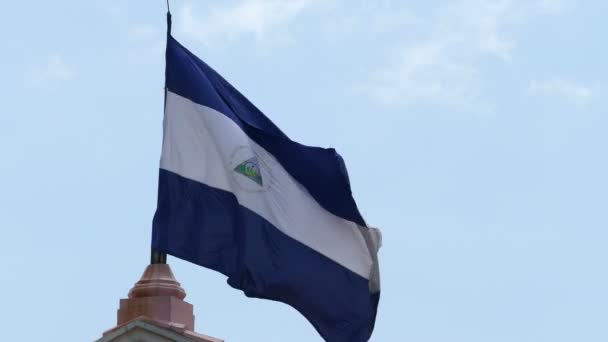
[250, 168]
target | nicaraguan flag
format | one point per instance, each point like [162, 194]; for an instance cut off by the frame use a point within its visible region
[238, 196]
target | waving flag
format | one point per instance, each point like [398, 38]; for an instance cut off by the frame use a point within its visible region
[236, 195]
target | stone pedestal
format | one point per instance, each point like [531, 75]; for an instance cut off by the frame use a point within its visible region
[155, 311]
[157, 295]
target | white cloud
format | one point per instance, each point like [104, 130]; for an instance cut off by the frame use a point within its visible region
[445, 66]
[424, 72]
[145, 41]
[51, 73]
[265, 20]
[144, 33]
[478, 25]
[555, 6]
[112, 8]
[577, 93]
[442, 67]
[359, 18]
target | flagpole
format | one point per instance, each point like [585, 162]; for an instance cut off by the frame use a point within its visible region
[156, 256]
[168, 19]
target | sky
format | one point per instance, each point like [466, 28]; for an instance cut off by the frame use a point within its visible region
[474, 133]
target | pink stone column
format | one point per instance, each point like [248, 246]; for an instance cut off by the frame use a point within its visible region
[158, 296]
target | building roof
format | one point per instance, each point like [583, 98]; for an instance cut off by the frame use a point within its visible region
[146, 329]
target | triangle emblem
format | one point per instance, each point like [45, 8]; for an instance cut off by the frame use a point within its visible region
[250, 168]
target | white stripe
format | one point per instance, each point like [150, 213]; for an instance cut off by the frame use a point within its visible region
[204, 145]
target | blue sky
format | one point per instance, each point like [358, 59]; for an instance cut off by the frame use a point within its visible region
[474, 133]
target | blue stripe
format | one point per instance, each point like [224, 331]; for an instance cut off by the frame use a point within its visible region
[208, 227]
[321, 171]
